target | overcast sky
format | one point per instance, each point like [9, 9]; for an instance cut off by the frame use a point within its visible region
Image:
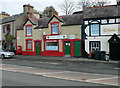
[16, 6]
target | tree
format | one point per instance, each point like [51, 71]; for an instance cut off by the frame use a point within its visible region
[93, 3]
[68, 7]
[85, 3]
[102, 2]
[49, 11]
[8, 40]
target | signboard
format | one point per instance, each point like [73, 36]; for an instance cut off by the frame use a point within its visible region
[51, 41]
[56, 37]
[72, 37]
[109, 29]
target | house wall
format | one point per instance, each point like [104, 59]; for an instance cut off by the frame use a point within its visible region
[21, 37]
[36, 15]
[19, 22]
[106, 32]
[40, 34]
[2, 16]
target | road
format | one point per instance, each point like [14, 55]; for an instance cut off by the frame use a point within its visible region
[22, 79]
[38, 73]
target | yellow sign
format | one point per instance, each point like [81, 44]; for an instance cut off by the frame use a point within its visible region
[110, 29]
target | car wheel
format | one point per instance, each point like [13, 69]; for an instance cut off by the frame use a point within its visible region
[2, 56]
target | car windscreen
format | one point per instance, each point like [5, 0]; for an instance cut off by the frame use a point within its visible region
[3, 50]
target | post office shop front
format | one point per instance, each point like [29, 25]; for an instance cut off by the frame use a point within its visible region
[56, 36]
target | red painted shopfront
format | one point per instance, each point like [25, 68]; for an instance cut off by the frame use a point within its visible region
[52, 47]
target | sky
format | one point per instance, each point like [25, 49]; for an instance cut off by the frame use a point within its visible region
[16, 6]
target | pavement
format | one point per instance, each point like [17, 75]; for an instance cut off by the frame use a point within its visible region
[61, 59]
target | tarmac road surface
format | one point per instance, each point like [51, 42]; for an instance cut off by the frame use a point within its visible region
[23, 75]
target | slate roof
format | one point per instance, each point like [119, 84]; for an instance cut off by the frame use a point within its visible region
[43, 23]
[33, 21]
[11, 18]
[75, 19]
[101, 12]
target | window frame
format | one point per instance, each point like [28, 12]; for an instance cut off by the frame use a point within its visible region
[117, 20]
[90, 48]
[7, 27]
[27, 49]
[90, 32]
[27, 31]
[51, 41]
[52, 27]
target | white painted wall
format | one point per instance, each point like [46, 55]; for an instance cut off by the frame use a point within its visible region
[106, 33]
[103, 41]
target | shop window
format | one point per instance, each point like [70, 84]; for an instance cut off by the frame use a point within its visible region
[55, 28]
[94, 30]
[28, 30]
[29, 44]
[52, 46]
[94, 46]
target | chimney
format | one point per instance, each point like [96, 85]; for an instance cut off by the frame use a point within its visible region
[118, 2]
[4, 15]
[28, 8]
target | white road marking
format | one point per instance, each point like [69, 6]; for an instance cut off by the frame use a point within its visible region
[79, 80]
[52, 72]
[28, 67]
[47, 62]
[92, 73]
[117, 68]
[102, 78]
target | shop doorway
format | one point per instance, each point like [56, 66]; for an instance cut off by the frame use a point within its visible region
[114, 47]
[77, 48]
[38, 48]
[67, 47]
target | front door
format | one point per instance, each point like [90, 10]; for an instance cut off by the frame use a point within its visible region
[77, 48]
[115, 51]
[37, 48]
[67, 48]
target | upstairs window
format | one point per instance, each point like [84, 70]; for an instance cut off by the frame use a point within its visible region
[94, 30]
[55, 28]
[118, 20]
[6, 29]
[28, 30]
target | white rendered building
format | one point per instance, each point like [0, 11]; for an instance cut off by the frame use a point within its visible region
[102, 30]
